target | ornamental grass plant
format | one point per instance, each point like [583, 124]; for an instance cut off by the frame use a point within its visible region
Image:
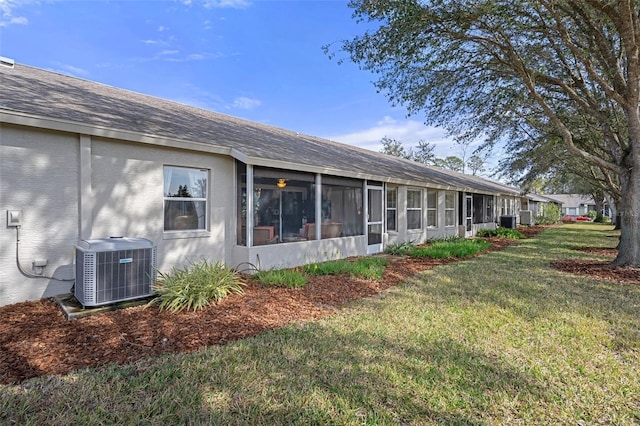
[195, 286]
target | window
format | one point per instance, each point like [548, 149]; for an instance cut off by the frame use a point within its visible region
[507, 207]
[482, 208]
[185, 198]
[432, 208]
[449, 208]
[489, 204]
[283, 206]
[341, 207]
[392, 209]
[414, 209]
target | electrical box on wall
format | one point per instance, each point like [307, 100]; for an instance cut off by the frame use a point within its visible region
[14, 218]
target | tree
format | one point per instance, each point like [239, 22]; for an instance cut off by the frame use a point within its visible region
[393, 147]
[497, 69]
[451, 162]
[475, 164]
[424, 153]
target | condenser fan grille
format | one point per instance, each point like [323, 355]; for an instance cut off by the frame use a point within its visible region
[107, 276]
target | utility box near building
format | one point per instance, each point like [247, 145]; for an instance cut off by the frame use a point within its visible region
[508, 222]
[110, 270]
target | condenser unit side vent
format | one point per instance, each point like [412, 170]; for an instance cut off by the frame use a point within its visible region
[86, 273]
[112, 270]
[526, 217]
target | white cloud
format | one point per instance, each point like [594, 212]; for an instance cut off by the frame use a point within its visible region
[199, 98]
[195, 57]
[70, 70]
[245, 103]
[162, 28]
[409, 132]
[168, 52]
[7, 8]
[235, 4]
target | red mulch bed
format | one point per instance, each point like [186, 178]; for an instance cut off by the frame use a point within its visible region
[36, 339]
[600, 270]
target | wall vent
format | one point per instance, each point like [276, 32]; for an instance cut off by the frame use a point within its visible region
[7, 62]
[110, 270]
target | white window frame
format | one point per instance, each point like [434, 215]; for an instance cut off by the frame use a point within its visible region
[205, 222]
[433, 208]
[448, 209]
[419, 209]
[394, 209]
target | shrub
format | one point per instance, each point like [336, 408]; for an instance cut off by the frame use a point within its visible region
[196, 286]
[400, 249]
[592, 214]
[289, 278]
[501, 232]
[550, 215]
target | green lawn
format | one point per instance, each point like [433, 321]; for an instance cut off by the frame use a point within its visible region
[499, 339]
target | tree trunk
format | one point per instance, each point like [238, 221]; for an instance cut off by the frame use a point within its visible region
[629, 210]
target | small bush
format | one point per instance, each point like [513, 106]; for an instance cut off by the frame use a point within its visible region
[550, 215]
[400, 249]
[289, 278]
[501, 232]
[196, 286]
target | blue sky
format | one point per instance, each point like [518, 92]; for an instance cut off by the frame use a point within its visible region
[259, 60]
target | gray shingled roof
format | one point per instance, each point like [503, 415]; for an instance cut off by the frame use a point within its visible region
[50, 95]
[541, 198]
[571, 200]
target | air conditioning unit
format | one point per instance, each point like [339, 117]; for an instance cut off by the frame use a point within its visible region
[526, 217]
[508, 222]
[110, 270]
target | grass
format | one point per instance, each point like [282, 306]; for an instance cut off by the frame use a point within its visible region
[446, 248]
[499, 339]
[290, 278]
[367, 268]
[363, 267]
[440, 249]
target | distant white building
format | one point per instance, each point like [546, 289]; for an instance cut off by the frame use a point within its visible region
[577, 204]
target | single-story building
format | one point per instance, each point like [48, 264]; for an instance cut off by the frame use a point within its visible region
[81, 161]
[537, 204]
[578, 204]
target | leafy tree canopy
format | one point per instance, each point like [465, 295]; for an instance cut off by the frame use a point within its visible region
[534, 73]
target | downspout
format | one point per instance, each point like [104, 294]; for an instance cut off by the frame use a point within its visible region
[318, 206]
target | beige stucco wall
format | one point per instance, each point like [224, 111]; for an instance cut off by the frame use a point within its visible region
[39, 175]
[73, 187]
[42, 174]
[127, 186]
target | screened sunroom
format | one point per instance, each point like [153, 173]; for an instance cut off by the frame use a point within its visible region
[290, 206]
